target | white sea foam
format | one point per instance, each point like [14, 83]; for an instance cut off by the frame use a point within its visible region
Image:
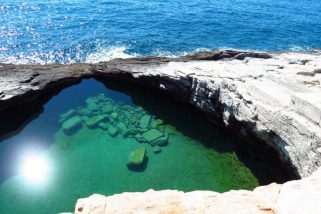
[109, 53]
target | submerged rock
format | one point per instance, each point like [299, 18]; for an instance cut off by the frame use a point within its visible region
[122, 128]
[107, 108]
[114, 115]
[156, 149]
[103, 125]
[94, 121]
[137, 158]
[68, 114]
[112, 131]
[155, 123]
[85, 118]
[162, 141]
[84, 111]
[139, 138]
[144, 121]
[152, 135]
[72, 124]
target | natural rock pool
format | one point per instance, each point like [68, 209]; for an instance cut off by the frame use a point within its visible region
[113, 137]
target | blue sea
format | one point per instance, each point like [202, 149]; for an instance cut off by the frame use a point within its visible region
[72, 31]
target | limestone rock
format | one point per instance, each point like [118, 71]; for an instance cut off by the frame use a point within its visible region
[112, 131]
[103, 125]
[161, 141]
[72, 124]
[294, 197]
[122, 128]
[261, 92]
[139, 138]
[94, 121]
[144, 121]
[68, 114]
[152, 135]
[114, 115]
[137, 158]
[156, 149]
[108, 108]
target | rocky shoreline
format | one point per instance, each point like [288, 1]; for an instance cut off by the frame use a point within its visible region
[301, 196]
[273, 98]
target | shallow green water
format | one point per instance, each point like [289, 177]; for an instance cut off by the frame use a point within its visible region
[80, 142]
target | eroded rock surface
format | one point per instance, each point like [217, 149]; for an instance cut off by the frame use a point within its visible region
[273, 96]
[294, 197]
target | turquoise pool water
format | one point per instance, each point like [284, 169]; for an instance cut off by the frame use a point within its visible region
[109, 138]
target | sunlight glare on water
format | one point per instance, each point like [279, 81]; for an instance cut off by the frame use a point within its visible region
[35, 168]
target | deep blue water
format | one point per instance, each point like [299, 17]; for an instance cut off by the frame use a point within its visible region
[67, 31]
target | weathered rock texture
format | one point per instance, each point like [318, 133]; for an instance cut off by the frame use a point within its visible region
[294, 197]
[275, 97]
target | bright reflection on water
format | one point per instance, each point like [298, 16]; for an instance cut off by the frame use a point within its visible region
[35, 168]
[45, 165]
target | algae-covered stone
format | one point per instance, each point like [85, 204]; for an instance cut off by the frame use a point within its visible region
[162, 141]
[94, 120]
[114, 115]
[107, 108]
[137, 158]
[144, 121]
[92, 105]
[156, 123]
[152, 135]
[103, 125]
[84, 111]
[122, 128]
[156, 149]
[112, 131]
[139, 138]
[72, 124]
[85, 118]
[68, 114]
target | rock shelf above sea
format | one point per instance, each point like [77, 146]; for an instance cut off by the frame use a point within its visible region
[273, 98]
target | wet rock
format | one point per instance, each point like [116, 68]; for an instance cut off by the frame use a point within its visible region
[103, 125]
[112, 131]
[144, 121]
[91, 105]
[152, 135]
[139, 138]
[107, 108]
[85, 118]
[84, 111]
[137, 159]
[72, 124]
[156, 149]
[114, 115]
[162, 141]
[156, 123]
[68, 114]
[122, 128]
[94, 121]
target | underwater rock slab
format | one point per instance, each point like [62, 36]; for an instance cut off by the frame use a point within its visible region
[137, 158]
[144, 121]
[112, 131]
[161, 141]
[94, 120]
[152, 135]
[293, 197]
[108, 108]
[67, 115]
[72, 124]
